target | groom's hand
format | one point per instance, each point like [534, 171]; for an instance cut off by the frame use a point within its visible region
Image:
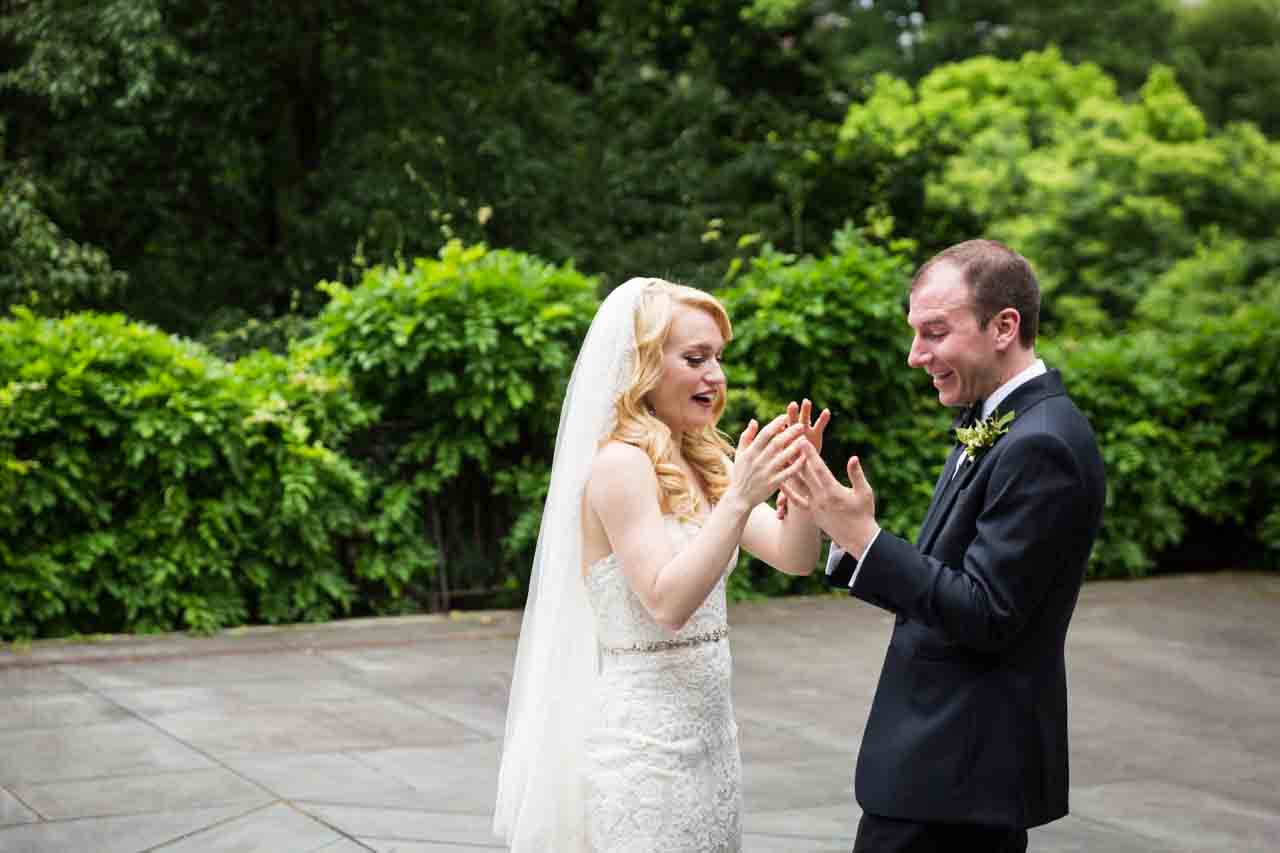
[846, 514]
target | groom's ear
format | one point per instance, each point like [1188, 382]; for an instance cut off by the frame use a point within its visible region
[1004, 326]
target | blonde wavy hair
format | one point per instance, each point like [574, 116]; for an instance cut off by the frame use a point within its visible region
[707, 451]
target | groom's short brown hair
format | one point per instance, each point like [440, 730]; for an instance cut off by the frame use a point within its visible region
[999, 278]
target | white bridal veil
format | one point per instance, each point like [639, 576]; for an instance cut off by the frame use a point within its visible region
[539, 806]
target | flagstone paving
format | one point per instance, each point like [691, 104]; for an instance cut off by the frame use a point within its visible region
[384, 735]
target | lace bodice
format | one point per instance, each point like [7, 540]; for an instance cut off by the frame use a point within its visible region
[664, 771]
[621, 618]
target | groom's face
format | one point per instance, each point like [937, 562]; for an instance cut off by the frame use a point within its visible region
[960, 357]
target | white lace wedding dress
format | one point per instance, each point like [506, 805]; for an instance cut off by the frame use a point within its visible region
[663, 772]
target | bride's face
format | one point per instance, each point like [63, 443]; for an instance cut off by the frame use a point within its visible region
[688, 395]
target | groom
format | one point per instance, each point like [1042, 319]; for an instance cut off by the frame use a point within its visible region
[966, 744]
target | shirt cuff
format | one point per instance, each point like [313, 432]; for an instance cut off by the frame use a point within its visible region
[836, 554]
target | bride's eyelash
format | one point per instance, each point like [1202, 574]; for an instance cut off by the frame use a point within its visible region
[697, 360]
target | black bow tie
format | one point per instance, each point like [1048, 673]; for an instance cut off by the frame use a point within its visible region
[969, 416]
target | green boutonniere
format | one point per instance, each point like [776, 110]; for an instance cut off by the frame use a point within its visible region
[983, 434]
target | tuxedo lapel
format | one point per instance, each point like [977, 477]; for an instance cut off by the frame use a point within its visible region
[948, 499]
[940, 490]
[1023, 398]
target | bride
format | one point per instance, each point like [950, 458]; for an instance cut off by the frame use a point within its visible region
[620, 735]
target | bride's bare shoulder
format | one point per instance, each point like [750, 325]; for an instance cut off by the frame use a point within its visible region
[620, 453]
[622, 479]
[618, 467]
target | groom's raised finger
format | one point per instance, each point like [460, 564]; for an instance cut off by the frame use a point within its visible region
[817, 471]
[857, 479]
[812, 454]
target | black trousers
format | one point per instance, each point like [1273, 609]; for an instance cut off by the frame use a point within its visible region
[890, 835]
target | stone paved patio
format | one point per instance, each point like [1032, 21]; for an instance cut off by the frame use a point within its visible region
[384, 734]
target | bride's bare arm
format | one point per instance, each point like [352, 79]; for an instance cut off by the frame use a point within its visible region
[792, 544]
[623, 492]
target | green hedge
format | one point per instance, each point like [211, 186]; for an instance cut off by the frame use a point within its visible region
[146, 485]
[1161, 468]
[465, 358]
[397, 458]
[1187, 411]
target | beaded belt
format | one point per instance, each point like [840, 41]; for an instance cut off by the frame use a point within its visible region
[666, 645]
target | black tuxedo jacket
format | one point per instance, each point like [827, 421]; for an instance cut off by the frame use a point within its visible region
[969, 721]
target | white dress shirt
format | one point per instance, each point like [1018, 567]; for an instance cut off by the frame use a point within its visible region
[1036, 368]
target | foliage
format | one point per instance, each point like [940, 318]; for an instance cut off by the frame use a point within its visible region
[149, 486]
[1186, 414]
[1219, 315]
[465, 358]
[255, 153]
[1226, 57]
[232, 334]
[1186, 418]
[1102, 195]
[41, 267]
[909, 38]
[697, 123]
[1163, 461]
[199, 168]
[398, 458]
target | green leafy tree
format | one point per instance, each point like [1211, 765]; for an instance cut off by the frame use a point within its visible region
[227, 161]
[909, 38]
[1103, 195]
[1227, 53]
[41, 267]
